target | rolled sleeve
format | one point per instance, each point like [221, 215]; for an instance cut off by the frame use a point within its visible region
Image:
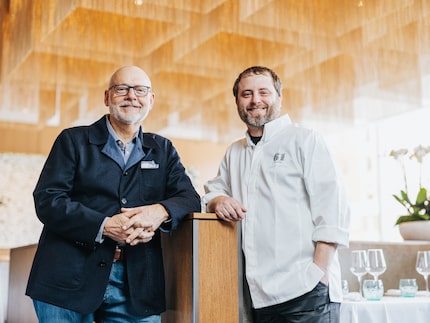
[332, 234]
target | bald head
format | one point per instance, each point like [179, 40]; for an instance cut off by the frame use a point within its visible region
[130, 75]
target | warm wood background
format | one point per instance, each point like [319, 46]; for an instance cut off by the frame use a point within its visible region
[342, 60]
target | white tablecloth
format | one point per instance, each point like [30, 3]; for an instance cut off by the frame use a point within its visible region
[390, 309]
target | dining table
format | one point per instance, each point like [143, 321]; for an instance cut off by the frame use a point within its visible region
[391, 308]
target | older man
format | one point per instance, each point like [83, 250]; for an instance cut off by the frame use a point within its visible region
[103, 196]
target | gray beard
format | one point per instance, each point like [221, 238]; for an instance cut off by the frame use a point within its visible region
[127, 120]
[118, 115]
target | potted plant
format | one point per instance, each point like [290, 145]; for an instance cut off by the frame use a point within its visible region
[418, 209]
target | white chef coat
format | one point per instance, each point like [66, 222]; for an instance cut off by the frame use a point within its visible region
[291, 190]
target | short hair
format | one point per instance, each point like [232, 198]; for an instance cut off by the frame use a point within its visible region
[257, 70]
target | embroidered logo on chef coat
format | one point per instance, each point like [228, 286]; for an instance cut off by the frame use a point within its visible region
[279, 157]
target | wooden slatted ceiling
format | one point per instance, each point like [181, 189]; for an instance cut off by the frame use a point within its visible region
[56, 57]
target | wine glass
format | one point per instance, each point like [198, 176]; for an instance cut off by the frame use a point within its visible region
[375, 262]
[423, 266]
[358, 265]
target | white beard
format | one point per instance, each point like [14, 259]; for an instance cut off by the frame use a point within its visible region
[128, 118]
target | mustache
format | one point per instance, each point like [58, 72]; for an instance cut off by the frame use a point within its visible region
[256, 106]
[129, 103]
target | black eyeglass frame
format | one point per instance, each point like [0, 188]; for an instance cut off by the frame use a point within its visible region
[128, 87]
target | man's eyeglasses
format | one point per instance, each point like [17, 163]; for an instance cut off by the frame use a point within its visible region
[122, 89]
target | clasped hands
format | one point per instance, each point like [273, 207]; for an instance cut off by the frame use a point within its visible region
[135, 225]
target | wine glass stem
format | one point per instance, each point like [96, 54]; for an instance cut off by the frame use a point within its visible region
[427, 284]
[359, 285]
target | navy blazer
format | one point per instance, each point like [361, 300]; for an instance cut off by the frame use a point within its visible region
[79, 186]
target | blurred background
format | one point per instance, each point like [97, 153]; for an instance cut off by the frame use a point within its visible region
[357, 71]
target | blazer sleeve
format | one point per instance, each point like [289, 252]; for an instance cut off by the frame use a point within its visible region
[54, 205]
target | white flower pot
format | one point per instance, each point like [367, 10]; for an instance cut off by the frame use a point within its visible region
[415, 230]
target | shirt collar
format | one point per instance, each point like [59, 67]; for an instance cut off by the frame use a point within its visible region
[113, 133]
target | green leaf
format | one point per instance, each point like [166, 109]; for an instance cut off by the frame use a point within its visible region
[398, 198]
[422, 196]
[423, 216]
[405, 197]
[409, 218]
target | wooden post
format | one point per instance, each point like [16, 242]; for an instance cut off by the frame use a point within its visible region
[203, 274]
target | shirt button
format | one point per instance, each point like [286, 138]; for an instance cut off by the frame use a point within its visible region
[125, 173]
[124, 200]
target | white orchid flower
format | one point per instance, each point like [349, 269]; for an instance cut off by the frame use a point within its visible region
[420, 152]
[399, 153]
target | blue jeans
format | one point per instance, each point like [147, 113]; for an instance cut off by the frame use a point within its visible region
[114, 309]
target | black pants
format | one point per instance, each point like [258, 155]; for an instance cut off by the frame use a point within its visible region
[312, 307]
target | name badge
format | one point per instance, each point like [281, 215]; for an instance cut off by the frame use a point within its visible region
[148, 164]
